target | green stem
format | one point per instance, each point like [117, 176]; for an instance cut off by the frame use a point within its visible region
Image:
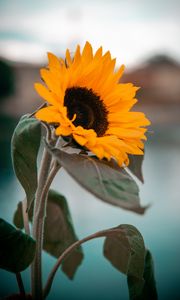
[69, 250]
[20, 285]
[38, 221]
[25, 217]
[39, 233]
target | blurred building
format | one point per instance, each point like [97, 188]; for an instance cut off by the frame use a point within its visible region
[24, 99]
[159, 95]
[17, 97]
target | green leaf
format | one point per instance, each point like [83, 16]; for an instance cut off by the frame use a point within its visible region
[58, 231]
[126, 251]
[135, 166]
[106, 180]
[146, 289]
[18, 217]
[25, 146]
[17, 248]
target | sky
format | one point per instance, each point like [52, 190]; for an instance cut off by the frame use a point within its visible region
[132, 30]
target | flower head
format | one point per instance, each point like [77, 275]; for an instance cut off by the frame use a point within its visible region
[87, 102]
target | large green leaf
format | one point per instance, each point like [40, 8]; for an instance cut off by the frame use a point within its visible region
[106, 180]
[25, 146]
[146, 289]
[126, 251]
[58, 231]
[17, 249]
[135, 166]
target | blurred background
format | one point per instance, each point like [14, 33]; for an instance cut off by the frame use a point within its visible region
[145, 36]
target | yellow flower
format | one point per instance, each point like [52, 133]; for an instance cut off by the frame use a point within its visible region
[88, 103]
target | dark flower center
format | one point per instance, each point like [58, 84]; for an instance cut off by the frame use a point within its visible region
[90, 111]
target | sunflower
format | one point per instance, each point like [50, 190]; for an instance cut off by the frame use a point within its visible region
[87, 102]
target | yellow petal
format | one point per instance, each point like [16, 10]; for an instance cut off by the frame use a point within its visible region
[87, 53]
[77, 56]
[128, 119]
[45, 93]
[63, 130]
[51, 82]
[81, 140]
[68, 57]
[54, 62]
[98, 54]
[119, 73]
[127, 132]
[48, 114]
